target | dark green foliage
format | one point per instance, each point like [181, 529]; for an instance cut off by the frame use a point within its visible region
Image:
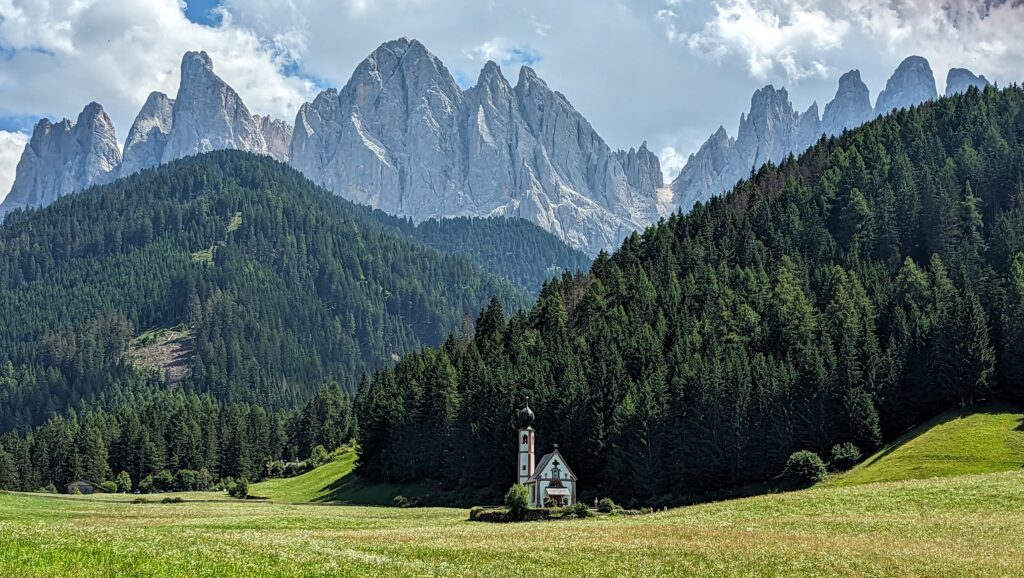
[281, 285]
[174, 442]
[606, 505]
[840, 297]
[515, 249]
[239, 489]
[805, 467]
[844, 456]
[517, 501]
[577, 510]
[109, 486]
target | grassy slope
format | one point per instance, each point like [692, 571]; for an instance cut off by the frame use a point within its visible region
[938, 527]
[334, 482]
[978, 440]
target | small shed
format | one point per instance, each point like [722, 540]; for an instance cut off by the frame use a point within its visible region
[85, 487]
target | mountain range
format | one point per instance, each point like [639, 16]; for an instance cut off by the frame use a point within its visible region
[403, 137]
[772, 130]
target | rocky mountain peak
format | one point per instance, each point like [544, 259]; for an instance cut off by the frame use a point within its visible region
[63, 158]
[148, 135]
[911, 84]
[851, 106]
[208, 114]
[958, 80]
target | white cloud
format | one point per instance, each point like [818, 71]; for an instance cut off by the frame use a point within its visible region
[786, 35]
[65, 53]
[11, 145]
[628, 66]
[672, 161]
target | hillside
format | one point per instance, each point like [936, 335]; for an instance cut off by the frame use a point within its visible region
[958, 526]
[842, 297]
[515, 249]
[280, 285]
[978, 440]
[335, 482]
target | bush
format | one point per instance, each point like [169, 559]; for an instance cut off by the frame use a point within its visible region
[163, 481]
[186, 480]
[319, 456]
[844, 456]
[577, 510]
[146, 486]
[140, 500]
[110, 487]
[517, 500]
[124, 482]
[239, 489]
[169, 500]
[50, 488]
[401, 501]
[805, 466]
[606, 505]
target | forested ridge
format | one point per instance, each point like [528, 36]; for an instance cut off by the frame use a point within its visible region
[841, 297]
[515, 249]
[281, 285]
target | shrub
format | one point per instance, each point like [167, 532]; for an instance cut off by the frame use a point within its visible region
[109, 487]
[239, 489]
[844, 456]
[75, 491]
[805, 466]
[517, 500]
[163, 481]
[169, 500]
[146, 485]
[401, 501]
[606, 505]
[124, 482]
[186, 480]
[50, 488]
[577, 510]
[140, 500]
[318, 456]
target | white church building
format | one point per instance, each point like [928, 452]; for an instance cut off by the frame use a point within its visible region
[551, 480]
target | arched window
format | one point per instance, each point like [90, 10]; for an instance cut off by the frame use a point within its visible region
[524, 438]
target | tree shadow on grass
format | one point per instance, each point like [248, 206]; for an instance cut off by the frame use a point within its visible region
[991, 408]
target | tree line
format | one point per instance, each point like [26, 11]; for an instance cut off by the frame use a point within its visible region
[179, 441]
[837, 299]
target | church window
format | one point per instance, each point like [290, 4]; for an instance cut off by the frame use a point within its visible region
[524, 438]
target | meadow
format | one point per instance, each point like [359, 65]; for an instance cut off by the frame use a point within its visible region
[879, 519]
[967, 525]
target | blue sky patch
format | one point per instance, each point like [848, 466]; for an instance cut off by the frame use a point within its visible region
[201, 12]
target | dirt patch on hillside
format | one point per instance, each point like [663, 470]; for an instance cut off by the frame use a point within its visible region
[168, 351]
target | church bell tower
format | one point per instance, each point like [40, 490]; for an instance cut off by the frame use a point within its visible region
[527, 460]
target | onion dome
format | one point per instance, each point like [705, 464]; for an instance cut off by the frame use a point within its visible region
[526, 416]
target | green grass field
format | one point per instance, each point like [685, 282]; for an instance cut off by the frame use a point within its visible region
[981, 440]
[971, 525]
[963, 523]
[334, 482]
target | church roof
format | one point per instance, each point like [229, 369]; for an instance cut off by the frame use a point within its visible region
[544, 463]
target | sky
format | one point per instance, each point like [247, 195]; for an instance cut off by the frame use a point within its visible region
[668, 72]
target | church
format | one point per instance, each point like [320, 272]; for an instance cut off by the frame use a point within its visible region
[549, 482]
